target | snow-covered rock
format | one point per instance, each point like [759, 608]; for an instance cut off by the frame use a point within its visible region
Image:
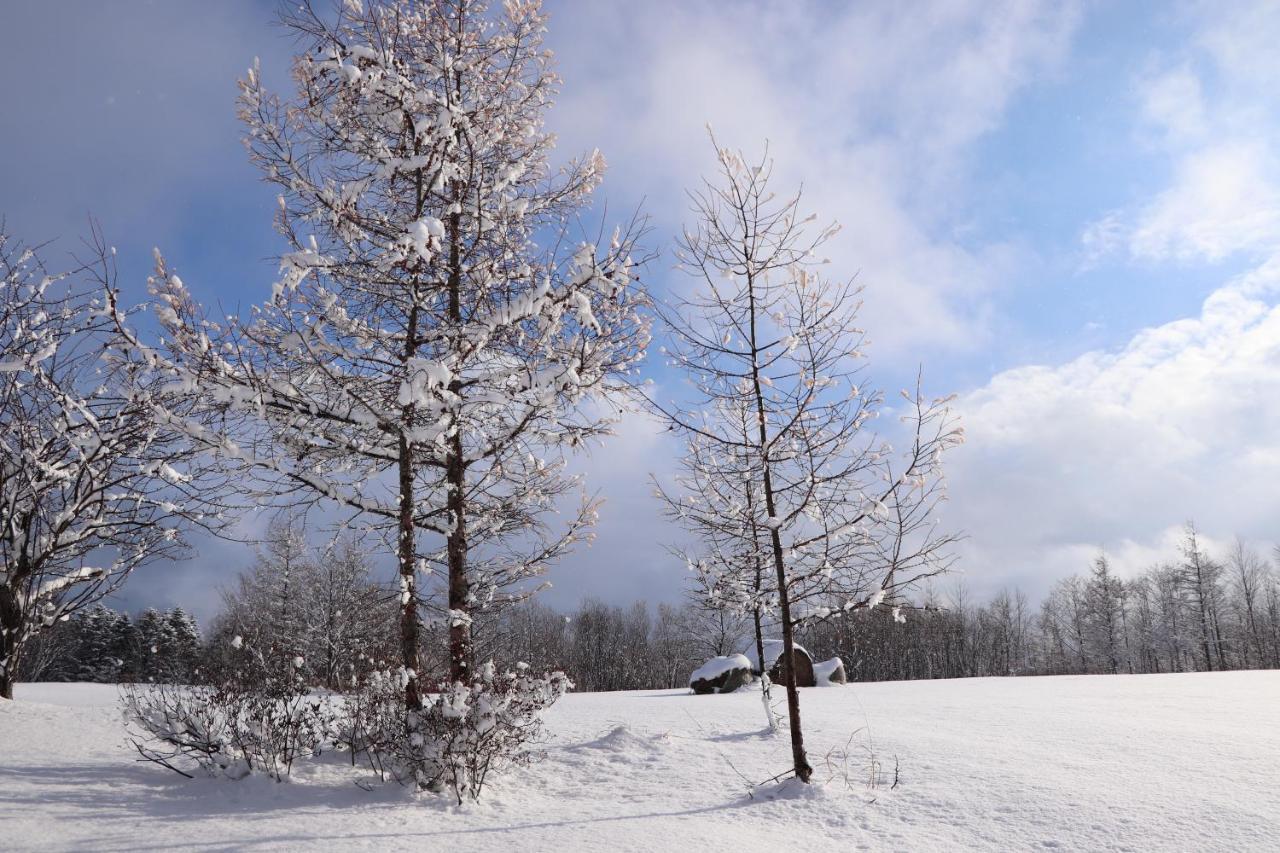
[723, 674]
[772, 652]
[829, 672]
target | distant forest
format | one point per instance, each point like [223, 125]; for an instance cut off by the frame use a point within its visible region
[1199, 612]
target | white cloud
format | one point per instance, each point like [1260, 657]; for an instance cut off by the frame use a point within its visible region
[629, 559]
[1173, 101]
[1212, 111]
[875, 108]
[1115, 449]
[1225, 199]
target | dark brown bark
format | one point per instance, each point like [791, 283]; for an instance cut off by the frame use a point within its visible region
[11, 622]
[759, 639]
[799, 760]
[409, 621]
[459, 583]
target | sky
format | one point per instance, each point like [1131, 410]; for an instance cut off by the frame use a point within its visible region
[1068, 214]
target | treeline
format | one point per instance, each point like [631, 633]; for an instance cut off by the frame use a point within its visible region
[317, 606]
[323, 608]
[608, 647]
[107, 646]
[1200, 612]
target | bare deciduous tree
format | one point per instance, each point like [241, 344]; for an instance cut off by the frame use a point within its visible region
[435, 345]
[780, 469]
[92, 483]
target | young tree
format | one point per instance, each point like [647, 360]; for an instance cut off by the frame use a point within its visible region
[319, 606]
[1248, 575]
[184, 653]
[346, 613]
[770, 345]
[1272, 595]
[1199, 575]
[92, 484]
[267, 608]
[155, 644]
[1105, 614]
[433, 346]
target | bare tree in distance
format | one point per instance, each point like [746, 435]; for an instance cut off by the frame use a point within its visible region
[1199, 575]
[319, 604]
[1248, 576]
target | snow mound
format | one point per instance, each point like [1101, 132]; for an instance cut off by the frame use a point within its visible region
[792, 789]
[621, 739]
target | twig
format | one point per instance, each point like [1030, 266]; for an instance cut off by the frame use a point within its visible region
[156, 759]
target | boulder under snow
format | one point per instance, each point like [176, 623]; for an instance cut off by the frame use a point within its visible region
[829, 672]
[772, 660]
[723, 674]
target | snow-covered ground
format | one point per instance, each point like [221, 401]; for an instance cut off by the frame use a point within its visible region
[1177, 762]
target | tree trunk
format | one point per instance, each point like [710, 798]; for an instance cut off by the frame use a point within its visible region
[1204, 629]
[759, 639]
[409, 646]
[11, 620]
[10, 632]
[800, 762]
[456, 474]
[459, 585]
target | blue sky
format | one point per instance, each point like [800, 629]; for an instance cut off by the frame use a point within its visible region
[1069, 213]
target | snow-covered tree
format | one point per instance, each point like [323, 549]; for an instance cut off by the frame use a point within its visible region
[1249, 578]
[1106, 615]
[781, 470]
[437, 342]
[266, 608]
[155, 643]
[1200, 577]
[347, 613]
[717, 624]
[183, 658]
[317, 604]
[730, 571]
[92, 484]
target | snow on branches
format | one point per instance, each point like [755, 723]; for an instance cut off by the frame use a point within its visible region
[92, 484]
[801, 512]
[461, 735]
[435, 343]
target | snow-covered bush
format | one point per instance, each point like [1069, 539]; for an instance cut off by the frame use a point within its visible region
[173, 725]
[460, 735]
[260, 718]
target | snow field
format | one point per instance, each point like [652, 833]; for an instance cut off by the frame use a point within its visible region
[1157, 762]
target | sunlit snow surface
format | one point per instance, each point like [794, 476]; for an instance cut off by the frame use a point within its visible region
[1163, 762]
